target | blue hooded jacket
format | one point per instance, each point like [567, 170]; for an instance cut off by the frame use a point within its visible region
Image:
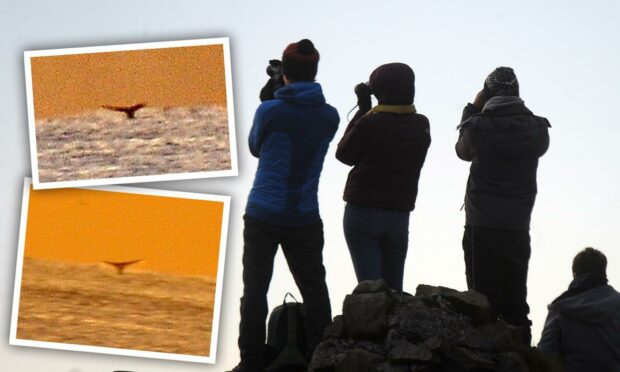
[290, 137]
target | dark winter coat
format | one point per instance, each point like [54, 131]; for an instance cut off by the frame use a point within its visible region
[387, 150]
[290, 136]
[503, 142]
[584, 329]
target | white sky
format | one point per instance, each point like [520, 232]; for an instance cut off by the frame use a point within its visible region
[565, 54]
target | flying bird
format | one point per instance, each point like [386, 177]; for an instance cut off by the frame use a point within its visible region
[120, 266]
[130, 111]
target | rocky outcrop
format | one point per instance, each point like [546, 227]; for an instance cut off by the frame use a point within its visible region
[438, 329]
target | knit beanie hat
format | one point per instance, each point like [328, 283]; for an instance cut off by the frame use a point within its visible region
[300, 61]
[502, 82]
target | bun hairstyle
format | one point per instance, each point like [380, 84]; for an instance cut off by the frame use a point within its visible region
[300, 61]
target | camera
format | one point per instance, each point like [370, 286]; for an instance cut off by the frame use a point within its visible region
[274, 69]
[275, 82]
[362, 89]
[275, 72]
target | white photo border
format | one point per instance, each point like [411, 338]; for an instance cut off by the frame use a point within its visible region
[233, 171]
[13, 340]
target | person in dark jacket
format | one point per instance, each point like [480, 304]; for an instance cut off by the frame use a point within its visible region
[583, 324]
[290, 136]
[503, 140]
[386, 145]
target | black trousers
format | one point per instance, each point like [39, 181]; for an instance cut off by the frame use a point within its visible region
[303, 250]
[496, 264]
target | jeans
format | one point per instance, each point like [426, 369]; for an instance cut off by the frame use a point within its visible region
[303, 250]
[496, 265]
[378, 241]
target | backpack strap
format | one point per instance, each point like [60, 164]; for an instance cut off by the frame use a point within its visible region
[289, 294]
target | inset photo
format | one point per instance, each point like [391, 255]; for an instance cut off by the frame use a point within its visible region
[130, 113]
[120, 270]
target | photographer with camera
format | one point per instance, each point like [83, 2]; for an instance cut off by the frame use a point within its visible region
[386, 145]
[290, 136]
[503, 140]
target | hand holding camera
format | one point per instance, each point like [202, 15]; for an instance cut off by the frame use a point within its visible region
[275, 82]
[481, 98]
[363, 93]
[274, 70]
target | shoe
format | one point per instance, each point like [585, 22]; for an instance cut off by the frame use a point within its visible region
[242, 367]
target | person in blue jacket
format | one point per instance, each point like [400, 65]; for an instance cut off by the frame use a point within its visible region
[290, 136]
[583, 324]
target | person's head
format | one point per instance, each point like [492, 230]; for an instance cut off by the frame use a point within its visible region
[393, 84]
[501, 82]
[590, 261]
[300, 61]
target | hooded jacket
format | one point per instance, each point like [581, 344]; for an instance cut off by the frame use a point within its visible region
[584, 330]
[503, 142]
[387, 150]
[290, 136]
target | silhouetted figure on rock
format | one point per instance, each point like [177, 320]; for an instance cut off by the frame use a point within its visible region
[386, 145]
[503, 140]
[290, 136]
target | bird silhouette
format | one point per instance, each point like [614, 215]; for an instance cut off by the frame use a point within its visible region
[120, 266]
[130, 111]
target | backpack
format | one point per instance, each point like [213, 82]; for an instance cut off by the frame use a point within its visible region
[286, 337]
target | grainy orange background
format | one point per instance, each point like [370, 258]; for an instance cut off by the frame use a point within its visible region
[180, 76]
[173, 235]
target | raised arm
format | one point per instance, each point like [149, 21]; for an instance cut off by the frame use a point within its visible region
[351, 146]
[257, 132]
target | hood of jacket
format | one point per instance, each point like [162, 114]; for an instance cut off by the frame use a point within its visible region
[301, 93]
[595, 306]
[505, 105]
[508, 127]
[393, 84]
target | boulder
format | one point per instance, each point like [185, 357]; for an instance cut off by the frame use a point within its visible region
[437, 330]
[366, 315]
[469, 303]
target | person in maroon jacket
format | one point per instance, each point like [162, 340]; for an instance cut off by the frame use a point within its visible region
[386, 145]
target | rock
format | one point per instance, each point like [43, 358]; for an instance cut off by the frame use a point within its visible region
[372, 286]
[511, 362]
[328, 354]
[437, 343]
[373, 348]
[403, 351]
[365, 315]
[470, 303]
[424, 290]
[471, 360]
[336, 329]
[356, 360]
[387, 367]
[418, 322]
[496, 336]
[438, 330]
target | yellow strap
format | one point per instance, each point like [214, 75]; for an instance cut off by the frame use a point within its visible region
[394, 109]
